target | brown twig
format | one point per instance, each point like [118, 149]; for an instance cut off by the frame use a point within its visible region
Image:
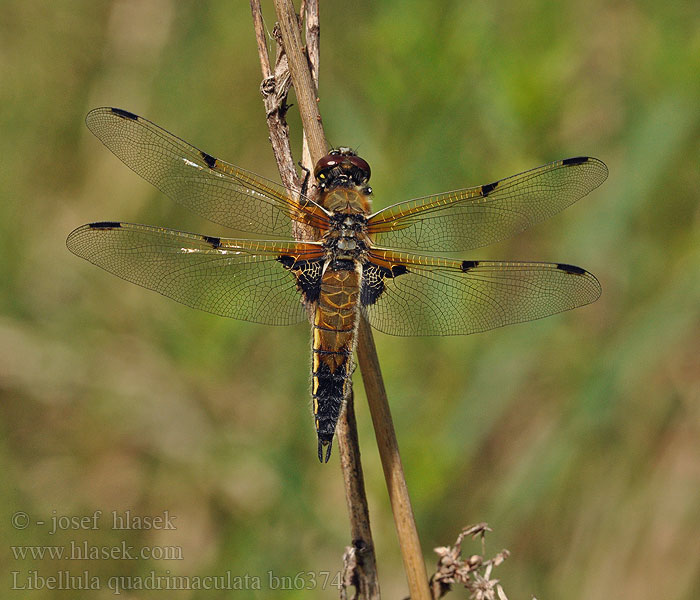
[305, 88]
[409, 543]
[301, 79]
[309, 12]
[359, 560]
[388, 445]
[274, 89]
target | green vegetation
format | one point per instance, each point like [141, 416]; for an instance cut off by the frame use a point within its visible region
[576, 437]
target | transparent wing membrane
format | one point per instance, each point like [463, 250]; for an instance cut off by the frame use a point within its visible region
[242, 279]
[212, 188]
[436, 296]
[474, 217]
[269, 281]
[285, 282]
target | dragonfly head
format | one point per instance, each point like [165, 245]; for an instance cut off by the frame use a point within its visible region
[341, 167]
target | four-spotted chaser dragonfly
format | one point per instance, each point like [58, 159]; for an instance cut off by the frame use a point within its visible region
[353, 261]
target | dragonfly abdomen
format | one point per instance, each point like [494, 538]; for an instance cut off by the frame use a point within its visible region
[334, 334]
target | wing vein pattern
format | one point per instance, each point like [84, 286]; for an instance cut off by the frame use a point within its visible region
[238, 278]
[210, 187]
[477, 216]
[437, 296]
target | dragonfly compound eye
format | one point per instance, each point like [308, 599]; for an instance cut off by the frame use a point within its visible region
[342, 163]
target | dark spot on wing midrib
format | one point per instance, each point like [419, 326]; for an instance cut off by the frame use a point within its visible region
[488, 188]
[209, 159]
[214, 241]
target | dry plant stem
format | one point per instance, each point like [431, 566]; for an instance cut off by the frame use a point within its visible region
[274, 88]
[369, 364]
[360, 561]
[301, 79]
[364, 568]
[409, 543]
[309, 12]
[404, 520]
[312, 35]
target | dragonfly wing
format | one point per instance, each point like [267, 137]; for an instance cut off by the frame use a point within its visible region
[243, 279]
[408, 295]
[474, 217]
[212, 188]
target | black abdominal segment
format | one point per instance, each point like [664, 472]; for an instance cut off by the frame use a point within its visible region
[328, 402]
[341, 264]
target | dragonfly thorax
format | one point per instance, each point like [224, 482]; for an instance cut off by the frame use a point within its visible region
[347, 236]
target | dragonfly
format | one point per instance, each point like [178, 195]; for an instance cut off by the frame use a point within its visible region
[334, 261]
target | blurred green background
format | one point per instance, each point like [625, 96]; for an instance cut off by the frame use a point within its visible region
[576, 437]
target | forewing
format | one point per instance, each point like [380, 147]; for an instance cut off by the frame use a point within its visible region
[242, 279]
[473, 217]
[212, 188]
[408, 294]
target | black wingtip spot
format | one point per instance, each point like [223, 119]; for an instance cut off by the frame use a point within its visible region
[488, 188]
[105, 225]
[469, 264]
[574, 270]
[214, 241]
[209, 159]
[125, 114]
[576, 160]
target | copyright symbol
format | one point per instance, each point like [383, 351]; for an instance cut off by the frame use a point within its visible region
[20, 520]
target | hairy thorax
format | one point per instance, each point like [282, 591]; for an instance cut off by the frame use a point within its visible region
[347, 238]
